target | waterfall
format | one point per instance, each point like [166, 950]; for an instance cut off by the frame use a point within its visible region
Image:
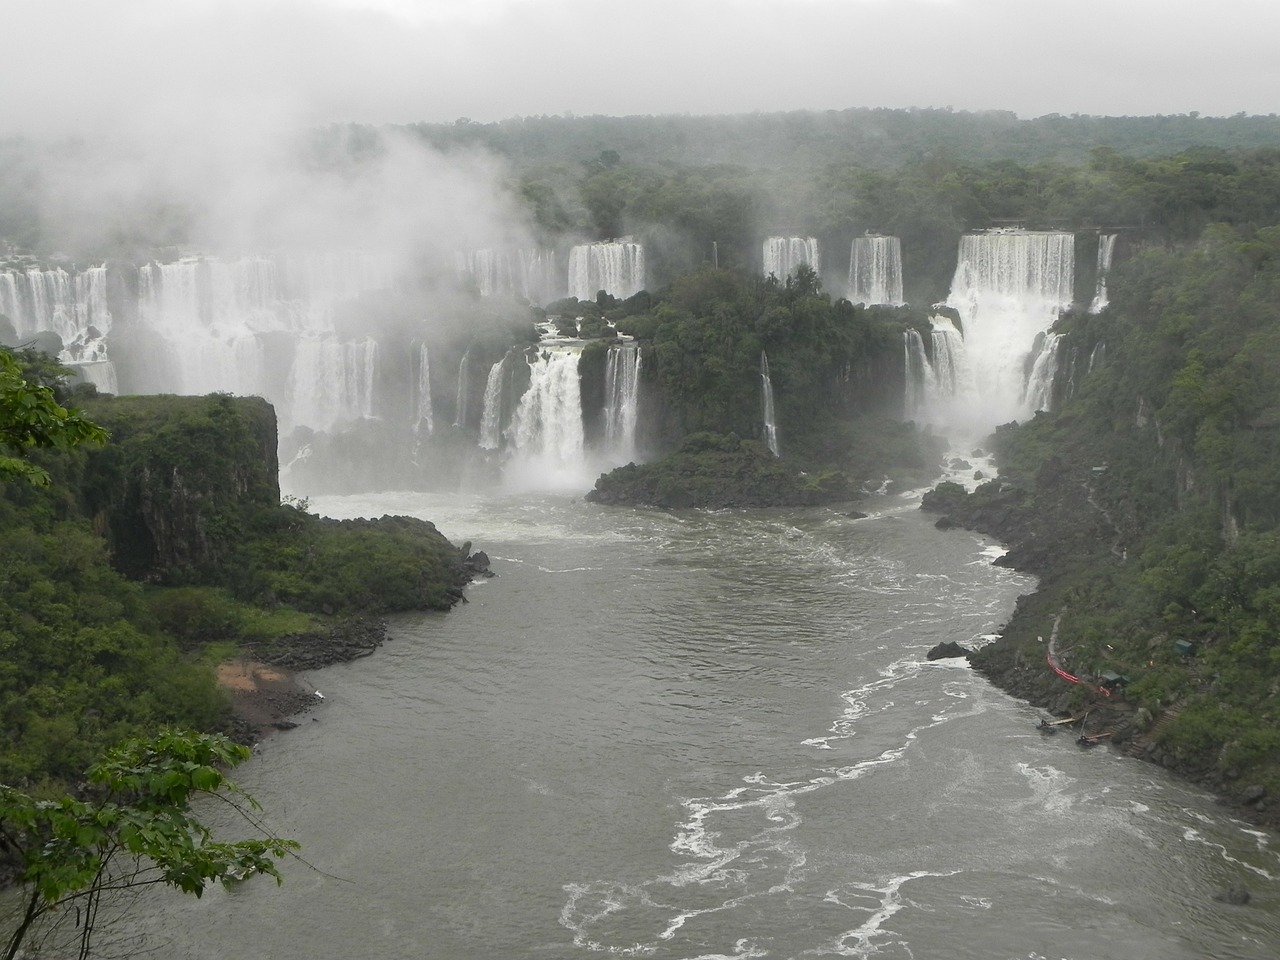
[546, 432]
[616, 267]
[783, 254]
[918, 374]
[332, 381]
[950, 369]
[460, 402]
[934, 385]
[1106, 249]
[1009, 288]
[766, 403]
[622, 396]
[875, 271]
[424, 423]
[518, 272]
[1044, 367]
[540, 279]
[212, 321]
[1097, 356]
[491, 418]
[71, 305]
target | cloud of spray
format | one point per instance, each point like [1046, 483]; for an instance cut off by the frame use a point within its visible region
[221, 191]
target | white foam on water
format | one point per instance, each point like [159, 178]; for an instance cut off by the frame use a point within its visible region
[884, 901]
[1192, 835]
[1048, 787]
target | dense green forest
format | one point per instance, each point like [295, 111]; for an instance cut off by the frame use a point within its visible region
[1149, 502]
[834, 368]
[143, 563]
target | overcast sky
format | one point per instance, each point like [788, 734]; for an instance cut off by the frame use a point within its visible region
[86, 64]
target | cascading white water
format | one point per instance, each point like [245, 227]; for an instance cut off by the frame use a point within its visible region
[616, 267]
[1106, 249]
[766, 404]
[460, 401]
[1044, 367]
[918, 373]
[522, 272]
[1009, 288]
[875, 271]
[71, 305]
[489, 269]
[951, 374]
[491, 418]
[541, 279]
[622, 400]
[782, 255]
[332, 381]
[932, 386]
[546, 433]
[210, 317]
[1097, 356]
[424, 423]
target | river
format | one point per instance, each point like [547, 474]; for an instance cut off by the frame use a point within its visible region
[714, 735]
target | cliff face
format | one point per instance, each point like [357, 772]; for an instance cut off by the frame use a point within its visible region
[172, 489]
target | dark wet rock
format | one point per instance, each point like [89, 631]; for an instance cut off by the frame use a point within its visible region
[945, 523]
[856, 515]
[1253, 794]
[945, 651]
[345, 640]
[478, 564]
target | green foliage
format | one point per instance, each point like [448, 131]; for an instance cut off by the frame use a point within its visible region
[1183, 414]
[83, 662]
[345, 566]
[717, 470]
[31, 418]
[135, 828]
[831, 365]
[89, 657]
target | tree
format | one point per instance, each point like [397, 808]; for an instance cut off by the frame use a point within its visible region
[31, 418]
[135, 829]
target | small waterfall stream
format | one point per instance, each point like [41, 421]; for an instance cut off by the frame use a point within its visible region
[766, 403]
[622, 401]
[1106, 250]
[491, 418]
[460, 402]
[424, 423]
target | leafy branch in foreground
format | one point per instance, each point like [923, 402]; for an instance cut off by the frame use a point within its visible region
[31, 417]
[136, 829]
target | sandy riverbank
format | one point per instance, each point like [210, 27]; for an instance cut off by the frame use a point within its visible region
[264, 698]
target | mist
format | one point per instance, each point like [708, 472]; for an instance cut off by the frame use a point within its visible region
[79, 67]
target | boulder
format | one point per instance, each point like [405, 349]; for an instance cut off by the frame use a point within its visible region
[1254, 793]
[945, 651]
